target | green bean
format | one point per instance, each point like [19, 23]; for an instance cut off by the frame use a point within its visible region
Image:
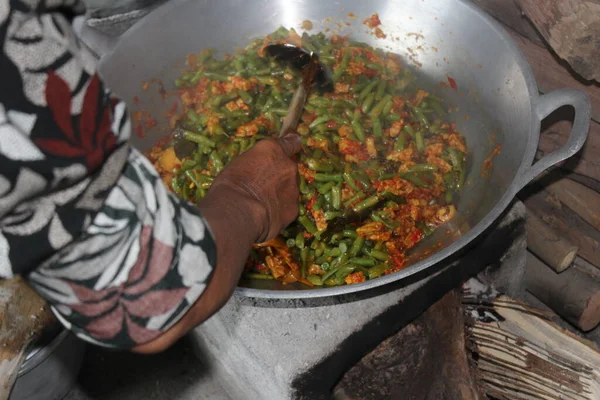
[367, 90]
[388, 108]
[301, 210]
[337, 74]
[420, 140]
[319, 120]
[378, 255]
[438, 108]
[304, 189]
[329, 215]
[461, 179]
[325, 187]
[449, 196]
[336, 197]
[379, 218]
[456, 158]
[374, 66]
[357, 197]
[409, 129]
[188, 164]
[319, 166]
[245, 96]
[343, 247]
[378, 109]
[217, 162]
[420, 116]
[357, 245]
[216, 76]
[400, 142]
[427, 231]
[362, 261]
[308, 224]
[363, 179]
[200, 139]
[322, 177]
[304, 255]
[378, 270]
[200, 180]
[422, 168]
[290, 243]
[366, 204]
[344, 271]
[349, 179]
[377, 130]
[315, 280]
[381, 89]
[299, 240]
[358, 131]
[251, 275]
[319, 101]
[413, 178]
[366, 105]
[317, 206]
[330, 273]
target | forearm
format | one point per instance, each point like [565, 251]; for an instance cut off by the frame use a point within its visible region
[232, 222]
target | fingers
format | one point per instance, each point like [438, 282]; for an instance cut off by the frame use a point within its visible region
[291, 144]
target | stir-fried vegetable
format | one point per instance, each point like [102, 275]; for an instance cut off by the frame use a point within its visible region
[379, 170]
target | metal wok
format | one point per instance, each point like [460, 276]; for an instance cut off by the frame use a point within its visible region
[497, 97]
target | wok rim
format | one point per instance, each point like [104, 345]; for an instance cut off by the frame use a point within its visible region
[445, 253]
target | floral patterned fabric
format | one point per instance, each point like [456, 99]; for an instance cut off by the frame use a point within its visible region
[83, 215]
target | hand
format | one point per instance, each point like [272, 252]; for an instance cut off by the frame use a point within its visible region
[263, 182]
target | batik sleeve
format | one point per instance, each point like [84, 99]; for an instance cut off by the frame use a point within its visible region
[83, 215]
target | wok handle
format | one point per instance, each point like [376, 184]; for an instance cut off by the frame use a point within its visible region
[545, 106]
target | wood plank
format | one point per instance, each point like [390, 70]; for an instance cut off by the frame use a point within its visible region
[520, 355]
[572, 29]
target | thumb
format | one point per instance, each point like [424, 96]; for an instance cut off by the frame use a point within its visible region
[291, 144]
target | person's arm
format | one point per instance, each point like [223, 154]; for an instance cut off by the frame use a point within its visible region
[251, 201]
[86, 219]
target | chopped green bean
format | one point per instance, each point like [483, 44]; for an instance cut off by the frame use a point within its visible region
[336, 197]
[322, 177]
[200, 139]
[366, 204]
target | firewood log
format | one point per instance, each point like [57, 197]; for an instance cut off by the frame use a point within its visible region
[572, 294]
[550, 72]
[584, 201]
[548, 245]
[564, 221]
